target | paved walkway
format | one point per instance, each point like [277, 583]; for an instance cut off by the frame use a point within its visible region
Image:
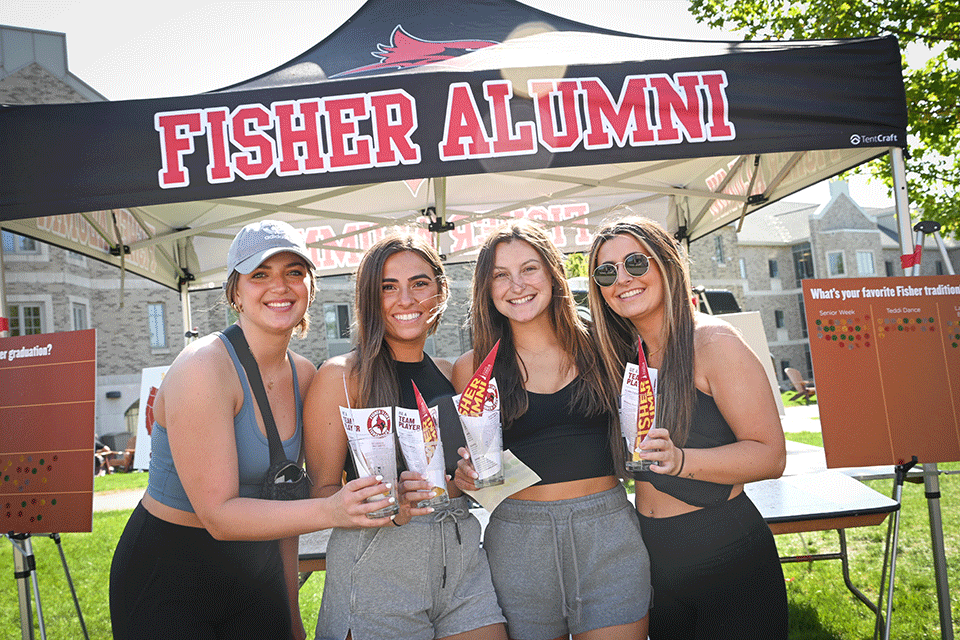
[802, 418]
[115, 500]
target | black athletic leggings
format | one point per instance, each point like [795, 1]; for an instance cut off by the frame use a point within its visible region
[716, 574]
[171, 581]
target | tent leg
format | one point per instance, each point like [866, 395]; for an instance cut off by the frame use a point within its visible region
[4, 319]
[187, 315]
[901, 202]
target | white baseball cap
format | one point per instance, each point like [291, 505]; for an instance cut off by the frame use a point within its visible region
[259, 240]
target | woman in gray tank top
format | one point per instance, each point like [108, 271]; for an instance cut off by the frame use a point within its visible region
[202, 556]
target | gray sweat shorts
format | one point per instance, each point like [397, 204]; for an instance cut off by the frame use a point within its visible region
[427, 579]
[568, 566]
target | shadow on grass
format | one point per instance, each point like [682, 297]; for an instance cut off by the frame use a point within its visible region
[805, 624]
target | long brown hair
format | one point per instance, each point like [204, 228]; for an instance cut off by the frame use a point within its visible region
[593, 394]
[617, 337]
[374, 368]
[230, 292]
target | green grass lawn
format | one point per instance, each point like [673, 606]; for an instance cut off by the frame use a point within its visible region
[821, 607]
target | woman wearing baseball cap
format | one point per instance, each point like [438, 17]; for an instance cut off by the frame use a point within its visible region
[202, 555]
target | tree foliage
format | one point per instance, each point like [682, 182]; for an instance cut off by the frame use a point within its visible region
[933, 90]
[576, 265]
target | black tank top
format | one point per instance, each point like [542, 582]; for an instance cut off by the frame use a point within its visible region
[558, 442]
[430, 381]
[707, 430]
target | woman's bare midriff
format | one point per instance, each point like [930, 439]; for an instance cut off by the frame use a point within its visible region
[169, 514]
[654, 503]
[566, 490]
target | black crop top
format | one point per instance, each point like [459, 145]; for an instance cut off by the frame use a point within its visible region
[558, 442]
[707, 430]
[430, 381]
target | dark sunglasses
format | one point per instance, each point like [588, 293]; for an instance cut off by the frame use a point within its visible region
[635, 264]
[291, 473]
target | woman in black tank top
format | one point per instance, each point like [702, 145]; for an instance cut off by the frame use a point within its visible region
[401, 293]
[555, 573]
[715, 567]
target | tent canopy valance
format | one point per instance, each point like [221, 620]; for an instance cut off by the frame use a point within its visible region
[422, 121]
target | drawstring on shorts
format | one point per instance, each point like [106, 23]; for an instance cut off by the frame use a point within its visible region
[578, 600]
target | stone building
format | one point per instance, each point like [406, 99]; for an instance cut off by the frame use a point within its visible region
[787, 242]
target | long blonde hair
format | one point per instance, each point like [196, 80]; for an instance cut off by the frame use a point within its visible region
[376, 373]
[592, 395]
[617, 337]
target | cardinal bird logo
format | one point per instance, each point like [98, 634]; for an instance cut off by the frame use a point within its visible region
[378, 424]
[406, 52]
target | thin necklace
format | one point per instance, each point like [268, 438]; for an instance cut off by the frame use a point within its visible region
[653, 353]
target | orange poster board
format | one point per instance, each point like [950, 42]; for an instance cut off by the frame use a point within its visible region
[47, 399]
[886, 358]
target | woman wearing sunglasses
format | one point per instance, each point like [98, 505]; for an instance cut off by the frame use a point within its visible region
[565, 554]
[424, 576]
[200, 557]
[715, 568]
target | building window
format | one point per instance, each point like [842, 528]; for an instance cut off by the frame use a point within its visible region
[778, 318]
[130, 417]
[158, 325]
[865, 266]
[835, 263]
[76, 258]
[802, 262]
[939, 268]
[78, 311]
[13, 243]
[337, 319]
[803, 316]
[888, 266]
[774, 267]
[25, 319]
[783, 369]
[743, 268]
[718, 249]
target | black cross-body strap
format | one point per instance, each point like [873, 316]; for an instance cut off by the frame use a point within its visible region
[235, 335]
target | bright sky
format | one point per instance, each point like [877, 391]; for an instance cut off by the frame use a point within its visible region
[129, 50]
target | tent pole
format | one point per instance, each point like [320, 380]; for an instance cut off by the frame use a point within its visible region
[187, 319]
[901, 202]
[4, 318]
[931, 473]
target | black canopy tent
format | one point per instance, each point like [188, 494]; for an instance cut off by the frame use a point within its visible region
[449, 112]
[452, 111]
